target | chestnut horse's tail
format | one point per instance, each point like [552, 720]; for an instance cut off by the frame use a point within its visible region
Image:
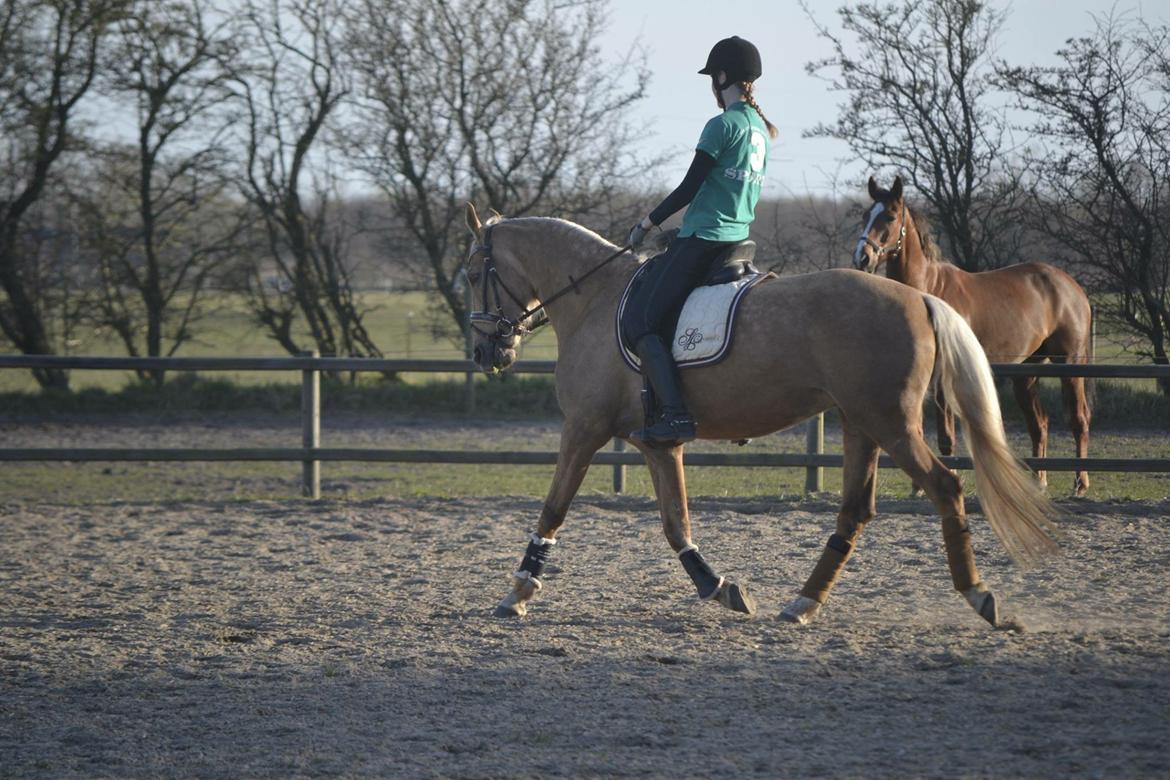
[1019, 512]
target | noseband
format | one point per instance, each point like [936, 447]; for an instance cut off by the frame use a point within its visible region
[879, 250]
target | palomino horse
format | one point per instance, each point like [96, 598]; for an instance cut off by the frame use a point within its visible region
[803, 344]
[1023, 313]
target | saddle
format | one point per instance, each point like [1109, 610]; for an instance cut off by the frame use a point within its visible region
[732, 264]
[703, 334]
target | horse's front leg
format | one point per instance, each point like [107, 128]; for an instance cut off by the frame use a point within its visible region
[1027, 392]
[1076, 409]
[666, 471]
[578, 445]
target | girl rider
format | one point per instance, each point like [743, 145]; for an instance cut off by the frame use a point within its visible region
[722, 187]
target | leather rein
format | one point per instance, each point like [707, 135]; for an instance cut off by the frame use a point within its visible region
[503, 326]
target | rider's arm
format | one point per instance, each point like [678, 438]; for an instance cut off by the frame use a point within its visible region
[685, 192]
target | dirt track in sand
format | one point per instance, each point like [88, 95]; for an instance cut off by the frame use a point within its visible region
[353, 638]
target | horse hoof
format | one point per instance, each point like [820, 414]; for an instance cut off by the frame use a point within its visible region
[984, 602]
[736, 597]
[801, 612]
[508, 609]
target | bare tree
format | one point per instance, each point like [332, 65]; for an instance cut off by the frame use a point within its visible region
[291, 85]
[808, 232]
[158, 211]
[49, 52]
[918, 82]
[1102, 187]
[508, 103]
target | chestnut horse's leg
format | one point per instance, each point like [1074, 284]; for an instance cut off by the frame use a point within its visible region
[942, 486]
[857, 509]
[666, 471]
[945, 422]
[1076, 411]
[578, 445]
[1027, 389]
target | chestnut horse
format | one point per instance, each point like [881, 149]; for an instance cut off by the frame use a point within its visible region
[1027, 313]
[803, 344]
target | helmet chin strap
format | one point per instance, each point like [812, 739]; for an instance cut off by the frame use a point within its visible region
[719, 88]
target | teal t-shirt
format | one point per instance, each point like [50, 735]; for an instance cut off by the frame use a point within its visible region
[725, 205]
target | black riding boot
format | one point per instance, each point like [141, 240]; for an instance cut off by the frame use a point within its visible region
[674, 424]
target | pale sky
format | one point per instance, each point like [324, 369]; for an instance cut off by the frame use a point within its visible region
[679, 33]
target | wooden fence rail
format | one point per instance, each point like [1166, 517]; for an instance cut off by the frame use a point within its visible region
[311, 454]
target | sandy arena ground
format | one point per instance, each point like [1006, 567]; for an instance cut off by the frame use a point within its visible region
[354, 638]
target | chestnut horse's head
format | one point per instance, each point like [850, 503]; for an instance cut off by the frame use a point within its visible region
[885, 227]
[502, 292]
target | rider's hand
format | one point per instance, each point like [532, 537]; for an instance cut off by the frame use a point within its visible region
[638, 234]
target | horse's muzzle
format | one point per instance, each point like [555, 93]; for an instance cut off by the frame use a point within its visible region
[493, 357]
[864, 261]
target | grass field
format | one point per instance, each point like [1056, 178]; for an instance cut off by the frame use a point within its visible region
[400, 324]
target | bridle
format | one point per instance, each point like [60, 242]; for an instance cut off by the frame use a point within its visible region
[879, 250]
[500, 325]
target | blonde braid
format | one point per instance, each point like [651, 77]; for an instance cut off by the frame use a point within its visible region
[746, 88]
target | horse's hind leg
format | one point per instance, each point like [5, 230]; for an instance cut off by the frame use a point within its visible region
[944, 425]
[578, 445]
[666, 470]
[1027, 390]
[857, 509]
[1076, 410]
[913, 456]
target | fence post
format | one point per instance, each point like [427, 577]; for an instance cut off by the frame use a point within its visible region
[814, 476]
[619, 470]
[311, 427]
[468, 346]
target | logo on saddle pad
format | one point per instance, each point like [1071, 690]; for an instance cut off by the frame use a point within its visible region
[689, 340]
[703, 334]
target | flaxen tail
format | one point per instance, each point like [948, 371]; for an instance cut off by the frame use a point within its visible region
[1019, 512]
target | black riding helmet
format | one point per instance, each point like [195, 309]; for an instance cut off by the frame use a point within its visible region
[738, 58]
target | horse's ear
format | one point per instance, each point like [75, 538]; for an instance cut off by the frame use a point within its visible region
[473, 223]
[896, 190]
[494, 215]
[874, 192]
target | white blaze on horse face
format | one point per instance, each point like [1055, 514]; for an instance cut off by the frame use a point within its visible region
[874, 213]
